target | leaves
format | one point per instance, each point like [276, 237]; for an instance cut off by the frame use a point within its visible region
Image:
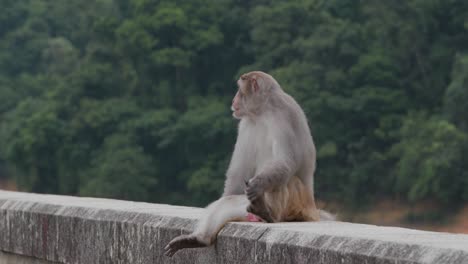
[120, 169]
[431, 159]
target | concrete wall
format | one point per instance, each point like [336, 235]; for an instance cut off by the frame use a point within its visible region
[67, 229]
[7, 258]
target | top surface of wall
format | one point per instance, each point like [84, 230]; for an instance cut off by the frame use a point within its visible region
[90, 230]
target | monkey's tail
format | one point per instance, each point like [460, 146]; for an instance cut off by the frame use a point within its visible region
[327, 216]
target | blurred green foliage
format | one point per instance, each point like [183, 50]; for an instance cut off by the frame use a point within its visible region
[130, 99]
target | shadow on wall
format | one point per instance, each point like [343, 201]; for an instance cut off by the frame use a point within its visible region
[6, 258]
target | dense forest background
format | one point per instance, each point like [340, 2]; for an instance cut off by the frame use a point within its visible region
[130, 98]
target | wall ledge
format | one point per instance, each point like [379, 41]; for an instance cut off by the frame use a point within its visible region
[68, 229]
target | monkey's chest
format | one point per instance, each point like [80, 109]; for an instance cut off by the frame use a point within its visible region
[256, 148]
[260, 154]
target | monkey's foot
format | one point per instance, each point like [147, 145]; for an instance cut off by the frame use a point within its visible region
[181, 242]
[254, 218]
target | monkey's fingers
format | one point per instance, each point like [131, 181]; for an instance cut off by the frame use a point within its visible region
[246, 182]
[251, 194]
[170, 252]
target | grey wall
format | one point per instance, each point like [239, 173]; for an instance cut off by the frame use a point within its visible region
[87, 230]
[7, 258]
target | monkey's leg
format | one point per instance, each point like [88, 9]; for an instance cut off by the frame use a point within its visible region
[217, 214]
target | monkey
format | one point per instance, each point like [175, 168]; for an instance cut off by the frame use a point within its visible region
[271, 172]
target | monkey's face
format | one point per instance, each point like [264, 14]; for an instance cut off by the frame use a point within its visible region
[254, 89]
[237, 107]
[244, 100]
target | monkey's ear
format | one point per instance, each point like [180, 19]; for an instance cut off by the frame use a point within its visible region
[255, 86]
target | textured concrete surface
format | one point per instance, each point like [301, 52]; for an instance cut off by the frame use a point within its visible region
[87, 230]
[7, 258]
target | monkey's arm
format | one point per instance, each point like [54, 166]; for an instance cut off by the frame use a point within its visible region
[275, 174]
[231, 187]
[234, 184]
[240, 169]
[277, 171]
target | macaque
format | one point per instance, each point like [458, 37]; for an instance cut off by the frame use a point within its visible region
[271, 172]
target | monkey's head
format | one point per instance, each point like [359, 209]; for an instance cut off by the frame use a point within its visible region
[254, 89]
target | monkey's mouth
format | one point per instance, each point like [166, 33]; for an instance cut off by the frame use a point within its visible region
[236, 113]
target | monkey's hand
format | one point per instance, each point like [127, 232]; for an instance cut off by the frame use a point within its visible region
[254, 189]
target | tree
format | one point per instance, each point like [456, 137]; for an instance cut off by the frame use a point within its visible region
[120, 169]
[431, 165]
[456, 95]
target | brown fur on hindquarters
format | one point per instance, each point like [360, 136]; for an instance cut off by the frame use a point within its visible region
[300, 204]
[291, 203]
